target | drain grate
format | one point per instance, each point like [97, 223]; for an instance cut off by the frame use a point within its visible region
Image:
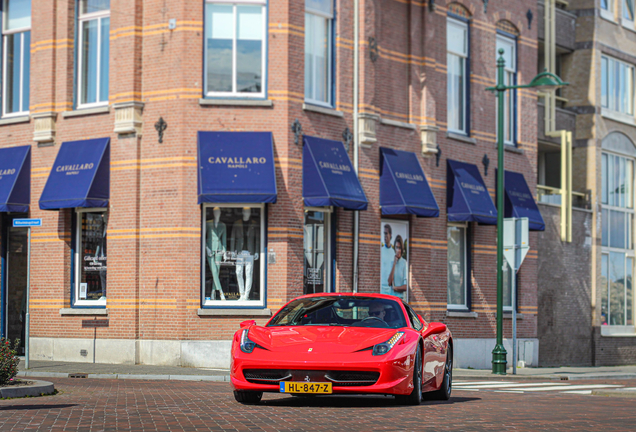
[78, 375]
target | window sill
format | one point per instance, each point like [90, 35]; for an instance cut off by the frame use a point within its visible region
[459, 137]
[83, 311]
[618, 117]
[237, 102]
[512, 149]
[235, 312]
[618, 331]
[322, 110]
[15, 120]
[608, 16]
[456, 314]
[398, 124]
[628, 25]
[86, 111]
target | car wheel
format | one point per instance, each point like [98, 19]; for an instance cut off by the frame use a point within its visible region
[444, 392]
[247, 397]
[415, 398]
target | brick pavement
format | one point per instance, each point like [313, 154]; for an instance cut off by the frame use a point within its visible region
[107, 405]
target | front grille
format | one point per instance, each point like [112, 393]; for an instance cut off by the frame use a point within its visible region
[338, 378]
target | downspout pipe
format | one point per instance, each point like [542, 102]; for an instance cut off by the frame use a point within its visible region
[356, 147]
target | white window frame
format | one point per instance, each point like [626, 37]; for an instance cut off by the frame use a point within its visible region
[229, 304]
[608, 13]
[77, 274]
[458, 307]
[5, 32]
[327, 211]
[510, 73]
[330, 50]
[264, 66]
[466, 55]
[611, 79]
[99, 16]
[631, 214]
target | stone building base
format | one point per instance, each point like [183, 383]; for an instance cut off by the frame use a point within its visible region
[477, 353]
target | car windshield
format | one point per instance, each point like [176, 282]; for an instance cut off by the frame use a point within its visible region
[341, 311]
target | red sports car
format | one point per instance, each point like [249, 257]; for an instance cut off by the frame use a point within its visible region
[343, 343]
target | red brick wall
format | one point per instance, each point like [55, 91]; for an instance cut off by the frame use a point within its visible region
[154, 239]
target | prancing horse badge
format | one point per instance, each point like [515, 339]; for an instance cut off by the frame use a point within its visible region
[310, 350]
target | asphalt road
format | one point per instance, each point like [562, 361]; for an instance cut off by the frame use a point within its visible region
[108, 405]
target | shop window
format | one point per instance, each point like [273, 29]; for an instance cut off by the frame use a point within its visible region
[16, 61]
[233, 240]
[457, 274]
[508, 45]
[235, 38]
[617, 85]
[457, 73]
[617, 220]
[91, 253]
[394, 264]
[318, 51]
[316, 252]
[93, 52]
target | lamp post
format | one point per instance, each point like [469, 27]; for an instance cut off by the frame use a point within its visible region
[544, 81]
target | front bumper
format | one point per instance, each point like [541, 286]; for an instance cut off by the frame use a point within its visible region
[395, 369]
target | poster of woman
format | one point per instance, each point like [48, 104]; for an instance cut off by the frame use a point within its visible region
[394, 258]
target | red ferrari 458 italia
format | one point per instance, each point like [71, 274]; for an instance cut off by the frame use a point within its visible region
[342, 343]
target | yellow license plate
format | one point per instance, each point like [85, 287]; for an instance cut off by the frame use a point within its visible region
[305, 387]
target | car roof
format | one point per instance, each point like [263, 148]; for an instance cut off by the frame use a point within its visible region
[350, 294]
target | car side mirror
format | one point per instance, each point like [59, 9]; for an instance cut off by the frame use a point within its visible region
[434, 328]
[247, 323]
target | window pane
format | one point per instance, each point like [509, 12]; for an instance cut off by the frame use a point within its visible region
[507, 292]
[457, 38]
[13, 56]
[317, 46]
[605, 228]
[322, 6]
[604, 282]
[604, 82]
[17, 14]
[89, 61]
[103, 63]
[629, 181]
[90, 6]
[232, 254]
[621, 184]
[629, 292]
[220, 35]
[628, 9]
[508, 45]
[92, 254]
[617, 229]
[456, 266]
[456, 87]
[604, 178]
[617, 288]
[611, 72]
[26, 70]
[617, 181]
[249, 46]
[309, 56]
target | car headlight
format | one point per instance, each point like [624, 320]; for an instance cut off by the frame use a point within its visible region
[247, 346]
[385, 347]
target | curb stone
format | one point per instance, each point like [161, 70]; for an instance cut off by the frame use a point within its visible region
[150, 377]
[38, 388]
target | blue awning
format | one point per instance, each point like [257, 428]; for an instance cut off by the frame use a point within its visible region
[328, 176]
[403, 185]
[519, 201]
[15, 179]
[467, 196]
[236, 167]
[80, 176]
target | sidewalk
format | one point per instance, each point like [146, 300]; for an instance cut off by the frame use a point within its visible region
[119, 371]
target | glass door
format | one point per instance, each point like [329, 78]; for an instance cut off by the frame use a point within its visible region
[316, 252]
[16, 283]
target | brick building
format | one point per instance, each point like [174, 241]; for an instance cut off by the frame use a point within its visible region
[139, 124]
[586, 301]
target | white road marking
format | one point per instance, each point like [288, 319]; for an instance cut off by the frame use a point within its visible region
[474, 382]
[507, 391]
[509, 384]
[583, 392]
[572, 387]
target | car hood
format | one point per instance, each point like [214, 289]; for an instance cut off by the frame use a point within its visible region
[318, 338]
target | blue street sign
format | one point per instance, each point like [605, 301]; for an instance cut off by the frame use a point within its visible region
[27, 222]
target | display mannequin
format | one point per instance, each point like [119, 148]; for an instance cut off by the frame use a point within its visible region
[101, 253]
[216, 241]
[246, 240]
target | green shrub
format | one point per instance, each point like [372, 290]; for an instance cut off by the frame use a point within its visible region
[8, 360]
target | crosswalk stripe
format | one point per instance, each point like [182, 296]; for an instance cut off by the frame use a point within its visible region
[583, 392]
[507, 391]
[574, 387]
[474, 382]
[508, 384]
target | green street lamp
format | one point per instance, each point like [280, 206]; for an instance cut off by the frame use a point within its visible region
[544, 81]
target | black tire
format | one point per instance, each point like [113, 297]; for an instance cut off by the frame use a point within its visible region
[444, 392]
[415, 398]
[247, 397]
